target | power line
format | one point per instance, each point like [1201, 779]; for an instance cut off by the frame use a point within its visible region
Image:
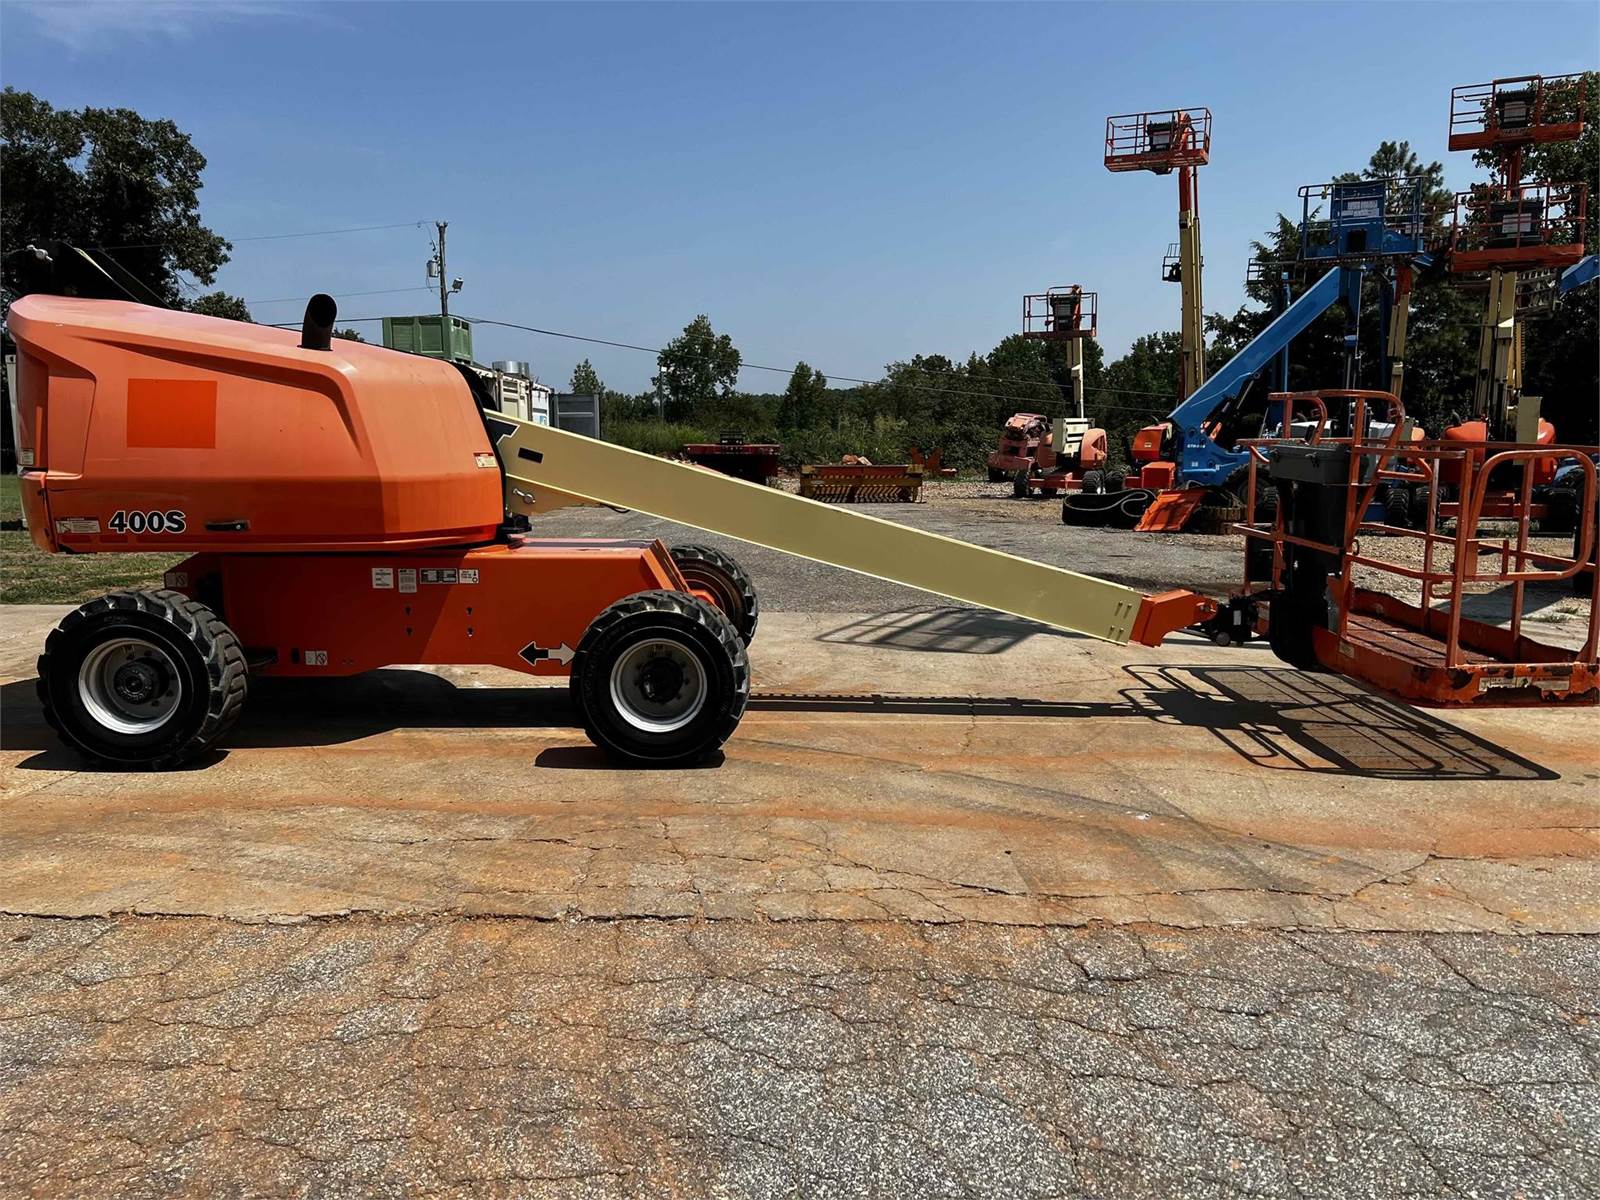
[916, 387]
[578, 337]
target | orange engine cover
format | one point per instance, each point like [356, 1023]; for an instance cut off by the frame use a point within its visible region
[1477, 432]
[145, 429]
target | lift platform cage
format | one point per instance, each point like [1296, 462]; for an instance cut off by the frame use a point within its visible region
[1158, 141]
[1529, 226]
[1447, 623]
[1517, 111]
[1061, 313]
[1361, 220]
[1172, 264]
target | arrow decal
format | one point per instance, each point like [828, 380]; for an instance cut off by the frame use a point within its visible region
[533, 653]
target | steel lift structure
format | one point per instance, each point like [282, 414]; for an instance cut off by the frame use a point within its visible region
[1175, 140]
[1198, 449]
[1074, 447]
[1508, 229]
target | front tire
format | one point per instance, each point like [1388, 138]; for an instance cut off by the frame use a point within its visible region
[721, 577]
[1019, 484]
[660, 679]
[142, 679]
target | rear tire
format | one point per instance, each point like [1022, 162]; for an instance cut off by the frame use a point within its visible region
[660, 679]
[142, 679]
[1094, 483]
[1397, 508]
[997, 476]
[1019, 483]
[729, 585]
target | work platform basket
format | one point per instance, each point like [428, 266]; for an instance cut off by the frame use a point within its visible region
[1158, 141]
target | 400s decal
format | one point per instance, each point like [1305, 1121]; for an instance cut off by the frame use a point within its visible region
[171, 520]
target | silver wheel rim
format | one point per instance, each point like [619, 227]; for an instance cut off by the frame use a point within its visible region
[643, 691]
[129, 686]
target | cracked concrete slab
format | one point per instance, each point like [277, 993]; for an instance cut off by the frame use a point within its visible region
[1023, 777]
[487, 1057]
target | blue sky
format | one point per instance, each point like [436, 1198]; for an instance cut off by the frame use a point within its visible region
[845, 184]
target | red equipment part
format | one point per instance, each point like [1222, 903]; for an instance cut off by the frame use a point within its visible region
[1522, 227]
[755, 461]
[1158, 141]
[1427, 650]
[1019, 445]
[1060, 314]
[1517, 111]
[340, 614]
[163, 469]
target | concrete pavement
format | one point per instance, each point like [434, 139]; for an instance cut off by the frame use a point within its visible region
[1010, 774]
[968, 909]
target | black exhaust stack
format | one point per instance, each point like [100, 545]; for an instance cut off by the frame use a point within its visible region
[316, 331]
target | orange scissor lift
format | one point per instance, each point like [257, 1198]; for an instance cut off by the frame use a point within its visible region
[1314, 591]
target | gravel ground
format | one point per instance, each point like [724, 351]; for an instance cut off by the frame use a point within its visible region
[160, 1057]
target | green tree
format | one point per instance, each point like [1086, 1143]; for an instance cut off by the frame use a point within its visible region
[805, 400]
[1139, 388]
[585, 381]
[349, 335]
[1562, 347]
[107, 179]
[697, 366]
[221, 304]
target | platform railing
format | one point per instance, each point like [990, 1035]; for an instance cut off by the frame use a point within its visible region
[1481, 470]
[1554, 110]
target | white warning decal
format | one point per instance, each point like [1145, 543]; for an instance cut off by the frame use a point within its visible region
[484, 460]
[78, 525]
[449, 575]
[316, 658]
[408, 579]
[383, 577]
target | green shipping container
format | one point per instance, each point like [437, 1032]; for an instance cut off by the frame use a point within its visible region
[421, 335]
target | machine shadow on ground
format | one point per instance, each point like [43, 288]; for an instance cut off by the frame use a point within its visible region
[941, 629]
[1275, 718]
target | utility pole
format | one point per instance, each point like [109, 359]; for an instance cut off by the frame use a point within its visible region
[444, 283]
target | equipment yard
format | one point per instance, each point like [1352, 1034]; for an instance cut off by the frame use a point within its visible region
[966, 907]
[1120, 755]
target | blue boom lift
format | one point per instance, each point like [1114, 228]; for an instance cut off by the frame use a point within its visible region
[1352, 227]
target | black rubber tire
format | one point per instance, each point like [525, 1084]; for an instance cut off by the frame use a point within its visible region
[1019, 483]
[1289, 626]
[1094, 483]
[997, 476]
[691, 623]
[722, 576]
[1266, 503]
[1047, 493]
[212, 676]
[1561, 511]
[1397, 508]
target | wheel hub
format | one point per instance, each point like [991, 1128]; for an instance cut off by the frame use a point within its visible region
[137, 682]
[129, 686]
[661, 680]
[658, 685]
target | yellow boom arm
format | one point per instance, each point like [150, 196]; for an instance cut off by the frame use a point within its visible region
[548, 468]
